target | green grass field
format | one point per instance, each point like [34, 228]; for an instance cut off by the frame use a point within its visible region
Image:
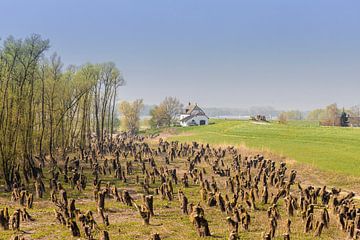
[332, 149]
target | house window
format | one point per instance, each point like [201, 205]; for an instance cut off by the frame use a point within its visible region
[202, 122]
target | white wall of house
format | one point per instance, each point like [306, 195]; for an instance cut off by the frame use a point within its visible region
[182, 116]
[197, 120]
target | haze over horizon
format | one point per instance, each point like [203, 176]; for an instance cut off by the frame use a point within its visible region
[235, 54]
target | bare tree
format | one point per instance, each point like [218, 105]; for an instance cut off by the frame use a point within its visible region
[332, 113]
[283, 118]
[44, 107]
[130, 115]
[166, 113]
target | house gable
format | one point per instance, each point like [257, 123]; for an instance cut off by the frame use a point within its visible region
[194, 110]
[193, 114]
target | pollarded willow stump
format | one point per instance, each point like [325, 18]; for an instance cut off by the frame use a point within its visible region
[234, 236]
[104, 217]
[233, 225]
[29, 200]
[116, 194]
[149, 203]
[63, 198]
[18, 238]
[4, 219]
[60, 217]
[319, 229]
[202, 226]
[22, 198]
[75, 231]
[145, 215]
[15, 220]
[286, 236]
[267, 236]
[101, 199]
[127, 198]
[184, 205]
[26, 216]
[155, 236]
[105, 236]
[198, 220]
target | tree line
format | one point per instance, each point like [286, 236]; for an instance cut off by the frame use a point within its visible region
[164, 114]
[328, 115]
[45, 109]
[331, 111]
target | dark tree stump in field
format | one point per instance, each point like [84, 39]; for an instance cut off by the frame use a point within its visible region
[29, 200]
[272, 226]
[127, 198]
[75, 231]
[149, 203]
[211, 200]
[26, 216]
[63, 198]
[15, 220]
[116, 194]
[184, 204]
[39, 188]
[144, 214]
[265, 195]
[233, 225]
[105, 236]
[200, 223]
[319, 228]
[325, 218]
[234, 236]
[101, 199]
[308, 223]
[155, 236]
[15, 194]
[72, 208]
[245, 219]
[4, 219]
[288, 226]
[202, 226]
[22, 198]
[267, 237]
[286, 236]
[18, 238]
[60, 217]
[221, 203]
[104, 217]
[88, 233]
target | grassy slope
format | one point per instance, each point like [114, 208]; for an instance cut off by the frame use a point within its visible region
[326, 148]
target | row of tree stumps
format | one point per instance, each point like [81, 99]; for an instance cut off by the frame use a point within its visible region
[249, 174]
[235, 186]
[70, 216]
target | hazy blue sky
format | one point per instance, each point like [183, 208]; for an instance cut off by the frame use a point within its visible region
[284, 53]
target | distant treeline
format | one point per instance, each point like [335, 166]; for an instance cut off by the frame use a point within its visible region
[313, 115]
[218, 111]
[332, 109]
[328, 114]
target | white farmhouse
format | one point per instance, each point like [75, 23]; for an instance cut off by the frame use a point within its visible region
[193, 115]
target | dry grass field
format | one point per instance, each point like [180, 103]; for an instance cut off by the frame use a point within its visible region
[169, 222]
